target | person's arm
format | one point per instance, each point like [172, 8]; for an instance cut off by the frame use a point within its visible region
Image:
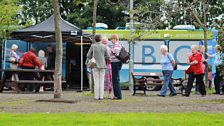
[90, 53]
[198, 59]
[194, 62]
[107, 54]
[172, 59]
[210, 55]
[37, 63]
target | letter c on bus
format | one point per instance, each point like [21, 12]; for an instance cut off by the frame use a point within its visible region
[178, 49]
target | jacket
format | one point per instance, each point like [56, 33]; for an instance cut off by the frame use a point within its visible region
[100, 53]
[29, 59]
[199, 67]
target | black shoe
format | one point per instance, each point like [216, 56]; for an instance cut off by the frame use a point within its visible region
[160, 95]
[171, 95]
[216, 93]
[186, 95]
[203, 95]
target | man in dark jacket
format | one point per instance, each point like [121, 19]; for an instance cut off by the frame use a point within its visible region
[50, 57]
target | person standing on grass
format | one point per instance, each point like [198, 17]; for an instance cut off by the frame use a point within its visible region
[108, 86]
[100, 53]
[196, 70]
[116, 65]
[218, 61]
[167, 68]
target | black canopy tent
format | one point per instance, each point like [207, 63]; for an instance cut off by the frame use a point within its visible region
[45, 32]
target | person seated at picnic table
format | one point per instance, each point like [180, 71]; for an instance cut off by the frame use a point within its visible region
[42, 59]
[167, 69]
[14, 57]
[51, 54]
[29, 61]
[13, 60]
[50, 57]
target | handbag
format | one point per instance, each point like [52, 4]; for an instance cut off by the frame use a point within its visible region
[174, 65]
[91, 63]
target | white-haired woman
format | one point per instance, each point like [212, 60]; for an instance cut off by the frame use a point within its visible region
[196, 70]
[167, 62]
[43, 60]
[14, 57]
[108, 86]
[217, 62]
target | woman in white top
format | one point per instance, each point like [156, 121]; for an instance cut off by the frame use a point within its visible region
[14, 57]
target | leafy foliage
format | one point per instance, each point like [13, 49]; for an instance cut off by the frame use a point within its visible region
[221, 43]
[35, 10]
[8, 12]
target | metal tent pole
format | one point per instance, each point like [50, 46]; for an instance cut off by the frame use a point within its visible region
[5, 50]
[82, 63]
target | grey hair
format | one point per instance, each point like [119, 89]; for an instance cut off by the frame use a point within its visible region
[164, 47]
[194, 47]
[104, 38]
[41, 53]
[14, 47]
[217, 46]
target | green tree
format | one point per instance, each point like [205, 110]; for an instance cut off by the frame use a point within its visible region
[106, 13]
[220, 26]
[8, 13]
[35, 11]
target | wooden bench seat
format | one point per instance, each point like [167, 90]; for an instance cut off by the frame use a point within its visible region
[33, 82]
[13, 72]
[143, 79]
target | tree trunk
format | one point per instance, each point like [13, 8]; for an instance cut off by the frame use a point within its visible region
[58, 59]
[93, 36]
[205, 10]
[94, 18]
[131, 64]
[206, 50]
[203, 25]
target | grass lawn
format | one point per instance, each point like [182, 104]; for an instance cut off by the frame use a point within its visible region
[109, 119]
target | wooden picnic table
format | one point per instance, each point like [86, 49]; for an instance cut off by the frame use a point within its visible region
[17, 80]
[143, 79]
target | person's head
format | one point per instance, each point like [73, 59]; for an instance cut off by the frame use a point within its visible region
[104, 40]
[217, 48]
[33, 50]
[49, 48]
[163, 49]
[194, 49]
[41, 53]
[114, 38]
[98, 38]
[14, 47]
[201, 49]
